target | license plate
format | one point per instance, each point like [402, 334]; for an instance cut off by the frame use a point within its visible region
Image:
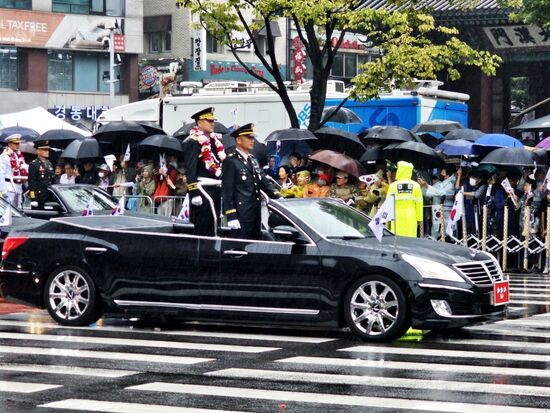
[501, 292]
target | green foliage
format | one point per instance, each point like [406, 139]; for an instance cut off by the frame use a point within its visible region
[530, 11]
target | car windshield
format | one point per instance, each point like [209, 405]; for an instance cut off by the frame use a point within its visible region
[4, 204]
[77, 198]
[331, 219]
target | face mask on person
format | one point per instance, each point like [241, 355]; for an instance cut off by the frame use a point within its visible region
[101, 174]
[473, 181]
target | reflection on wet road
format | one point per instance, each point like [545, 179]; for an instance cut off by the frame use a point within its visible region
[123, 366]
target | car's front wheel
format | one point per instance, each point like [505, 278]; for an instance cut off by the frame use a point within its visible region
[70, 297]
[376, 309]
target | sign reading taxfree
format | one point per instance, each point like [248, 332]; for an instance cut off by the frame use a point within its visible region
[59, 31]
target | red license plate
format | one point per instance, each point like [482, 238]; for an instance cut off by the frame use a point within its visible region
[501, 292]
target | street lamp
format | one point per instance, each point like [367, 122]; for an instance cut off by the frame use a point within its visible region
[112, 79]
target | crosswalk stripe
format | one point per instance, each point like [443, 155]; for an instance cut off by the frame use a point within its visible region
[330, 398]
[377, 381]
[132, 342]
[514, 333]
[120, 407]
[530, 302]
[520, 322]
[416, 366]
[529, 294]
[497, 343]
[213, 334]
[447, 353]
[535, 289]
[23, 387]
[107, 355]
[70, 370]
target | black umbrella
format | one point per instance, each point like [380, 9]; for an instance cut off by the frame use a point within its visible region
[384, 135]
[60, 138]
[162, 143]
[290, 134]
[259, 150]
[152, 128]
[540, 156]
[342, 115]
[417, 153]
[183, 132]
[114, 131]
[27, 134]
[540, 124]
[437, 125]
[373, 154]
[510, 157]
[466, 134]
[338, 140]
[81, 149]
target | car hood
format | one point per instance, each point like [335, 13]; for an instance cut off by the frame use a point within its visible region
[442, 252]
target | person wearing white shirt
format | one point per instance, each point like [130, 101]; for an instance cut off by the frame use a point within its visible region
[15, 171]
[69, 176]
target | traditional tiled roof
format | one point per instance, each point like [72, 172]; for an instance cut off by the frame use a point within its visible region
[484, 12]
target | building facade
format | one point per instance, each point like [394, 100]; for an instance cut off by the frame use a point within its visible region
[55, 54]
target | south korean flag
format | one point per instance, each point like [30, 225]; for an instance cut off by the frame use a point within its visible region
[89, 210]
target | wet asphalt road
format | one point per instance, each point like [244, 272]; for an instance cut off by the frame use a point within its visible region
[124, 366]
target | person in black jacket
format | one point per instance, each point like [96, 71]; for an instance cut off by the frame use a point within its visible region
[41, 175]
[203, 153]
[242, 180]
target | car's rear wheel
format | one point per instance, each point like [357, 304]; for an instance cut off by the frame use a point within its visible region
[70, 297]
[376, 309]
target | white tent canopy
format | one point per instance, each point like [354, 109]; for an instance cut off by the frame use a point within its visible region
[38, 119]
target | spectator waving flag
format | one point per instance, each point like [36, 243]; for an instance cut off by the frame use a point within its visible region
[119, 209]
[385, 214]
[184, 213]
[127, 154]
[5, 219]
[89, 210]
[456, 213]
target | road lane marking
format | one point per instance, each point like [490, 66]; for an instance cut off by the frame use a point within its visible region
[136, 342]
[328, 398]
[416, 366]
[505, 332]
[208, 334]
[24, 387]
[423, 384]
[107, 355]
[486, 355]
[494, 343]
[70, 370]
[120, 407]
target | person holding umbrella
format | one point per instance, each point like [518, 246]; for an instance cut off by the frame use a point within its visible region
[203, 153]
[13, 165]
[41, 175]
[242, 180]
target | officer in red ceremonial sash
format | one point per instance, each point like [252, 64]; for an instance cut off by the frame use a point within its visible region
[15, 170]
[203, 154]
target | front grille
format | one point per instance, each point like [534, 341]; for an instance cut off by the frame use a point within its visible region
[482, 273]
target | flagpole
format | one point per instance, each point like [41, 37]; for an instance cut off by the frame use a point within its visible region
[395, 226]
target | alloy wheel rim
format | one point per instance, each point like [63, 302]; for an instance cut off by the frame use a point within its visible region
[69, 295]
[374, 308]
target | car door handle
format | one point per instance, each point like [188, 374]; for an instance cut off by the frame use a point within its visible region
[235, 253]
[96, 250]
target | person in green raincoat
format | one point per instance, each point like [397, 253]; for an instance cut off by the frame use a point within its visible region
[409, 203]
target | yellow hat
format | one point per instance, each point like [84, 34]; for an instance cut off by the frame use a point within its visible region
[15, 138]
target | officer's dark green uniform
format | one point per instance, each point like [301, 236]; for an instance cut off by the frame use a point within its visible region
[242, 180]
[41, 175]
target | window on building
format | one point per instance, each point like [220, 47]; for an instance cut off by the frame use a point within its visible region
[102, 7]
[348, 64]
[212, 45]
[261, 44]
[160, 42]
[79, 72]
[8, 67]
[16, 4]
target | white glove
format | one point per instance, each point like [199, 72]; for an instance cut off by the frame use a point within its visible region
[234, 224]
[196, 200]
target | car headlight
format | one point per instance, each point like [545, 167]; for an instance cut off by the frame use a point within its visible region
[429, 269]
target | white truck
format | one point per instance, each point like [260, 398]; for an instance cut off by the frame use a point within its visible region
[235, 102]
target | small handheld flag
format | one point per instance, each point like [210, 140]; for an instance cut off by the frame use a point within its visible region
[127, 154]
[385, 214]
[184, 212]
[456, 213]
[89, 210]
[119, 209]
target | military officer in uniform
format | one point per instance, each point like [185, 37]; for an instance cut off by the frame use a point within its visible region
[13, 168]
[242, 180]
[41, 174]
[203, 153]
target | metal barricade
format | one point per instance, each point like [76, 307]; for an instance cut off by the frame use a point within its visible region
[138, 203]
[169, 206]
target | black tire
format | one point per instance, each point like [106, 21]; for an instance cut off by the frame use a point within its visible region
[71, 298]
[375, 309]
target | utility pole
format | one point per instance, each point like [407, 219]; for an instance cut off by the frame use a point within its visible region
[112, 67]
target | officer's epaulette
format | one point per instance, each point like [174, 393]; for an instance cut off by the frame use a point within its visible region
[231, 154]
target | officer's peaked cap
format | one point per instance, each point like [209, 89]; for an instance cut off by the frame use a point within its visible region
[205, 114]
[42, 145]
[245, 130]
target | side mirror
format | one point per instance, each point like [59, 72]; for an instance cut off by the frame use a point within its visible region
[53, 206]
[287, 233]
